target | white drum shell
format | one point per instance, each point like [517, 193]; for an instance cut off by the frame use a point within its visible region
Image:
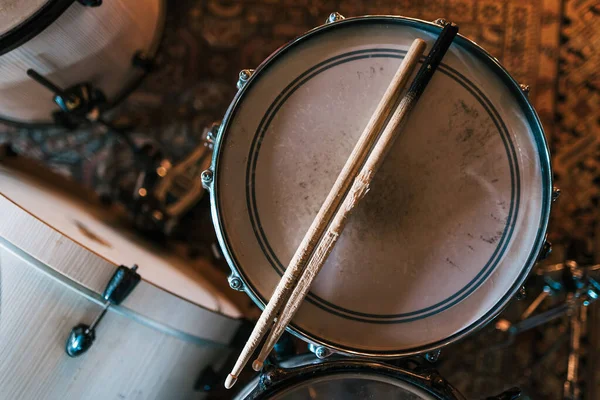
[85, 44]
[153, 346]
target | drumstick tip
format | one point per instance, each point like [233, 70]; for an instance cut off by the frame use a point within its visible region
[230, 381]
[257, 365]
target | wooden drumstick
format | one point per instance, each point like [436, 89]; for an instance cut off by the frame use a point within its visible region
[330, 205]
[360, 187]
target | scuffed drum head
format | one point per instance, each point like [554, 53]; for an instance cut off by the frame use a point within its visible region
[456, 215]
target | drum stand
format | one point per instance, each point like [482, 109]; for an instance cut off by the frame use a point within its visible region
[581, 290]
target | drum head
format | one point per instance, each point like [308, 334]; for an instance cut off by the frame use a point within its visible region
[101, 233]
[453, 222]
[15, 12]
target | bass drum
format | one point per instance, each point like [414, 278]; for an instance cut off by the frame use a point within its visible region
[69, 43]
[307, 378]
[57, 254]
[453, 222]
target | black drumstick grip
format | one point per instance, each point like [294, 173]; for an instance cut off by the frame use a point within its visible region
[432, 61]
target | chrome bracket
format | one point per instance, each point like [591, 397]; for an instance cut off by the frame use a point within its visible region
[441, 22]
[207, 178]
[334, 17]
[555, 193]
[433, 356]
[235, 282]
[525, 89]
[546, 250]
[321, 352]
[243, 78]
[120, 285]
[521, 293]
[211, 134]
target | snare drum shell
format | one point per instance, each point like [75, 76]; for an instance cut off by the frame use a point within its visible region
[85, 44]
[155, 345]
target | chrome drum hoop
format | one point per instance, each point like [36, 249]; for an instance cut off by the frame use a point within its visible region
[302, 369]
[240, 282]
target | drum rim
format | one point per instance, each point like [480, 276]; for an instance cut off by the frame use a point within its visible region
[305, 368]
[545, 172]
[34, 25]
[129, 86]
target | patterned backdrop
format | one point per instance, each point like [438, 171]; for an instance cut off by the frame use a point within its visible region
[551, 45]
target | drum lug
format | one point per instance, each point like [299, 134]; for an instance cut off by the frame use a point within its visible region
[525, 89]
[235, 282]
[120, 285]
[207, 178]
[546, 249]
[441, 22]
[90, 3]
[555, 193]
[244, 76]
[521, 293]
[334, 17]
[211, 134]
[433, 356]
[321, 352]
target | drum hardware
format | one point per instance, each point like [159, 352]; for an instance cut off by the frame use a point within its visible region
[555, 193]
[90, 3]
[120, 285]
[521, 293]
[164, 192]
[580, 290]
[524, 88]
[334, 17]
[304, 376]
[433, 356]
[321, 352]
[244, 76]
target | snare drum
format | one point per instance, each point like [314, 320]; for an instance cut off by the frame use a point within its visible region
[305, 377]
[455, 218]
[69, 44]
[56, 257]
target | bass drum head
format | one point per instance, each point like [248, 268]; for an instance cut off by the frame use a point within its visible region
[345, 380]
[455, 217]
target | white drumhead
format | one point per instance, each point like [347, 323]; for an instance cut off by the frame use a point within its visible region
[99, 232]
[14, 12]
[454, 219]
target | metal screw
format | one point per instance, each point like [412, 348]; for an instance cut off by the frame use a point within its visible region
[245, 74]
[521, 293]
[207, 176]
[555, 193]
[433, 356]
[524, 88]
[334, 17]
[322, 352]
[236, 283]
